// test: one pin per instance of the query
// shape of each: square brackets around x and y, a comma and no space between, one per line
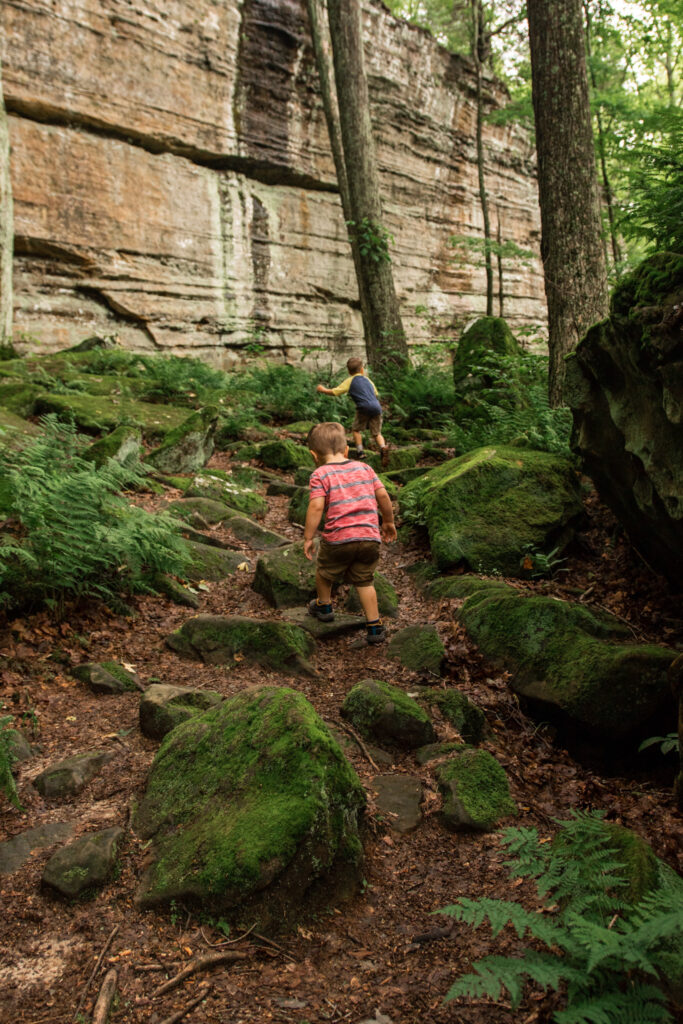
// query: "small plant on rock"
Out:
[604,952]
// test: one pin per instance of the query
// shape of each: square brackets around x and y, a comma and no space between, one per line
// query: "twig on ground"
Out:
[354,735]
[105,998]
[204,963]
[634,629]
[183,1012]
[269,942]
[144,968]
[227,942]
[95,969]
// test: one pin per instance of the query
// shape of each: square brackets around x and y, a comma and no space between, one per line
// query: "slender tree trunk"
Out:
[571,245]
[479,45]
[384,334]
[499,259]
[6,228]
[330,108]
[607,193]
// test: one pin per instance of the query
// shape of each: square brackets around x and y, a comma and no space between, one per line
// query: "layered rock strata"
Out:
[173,180]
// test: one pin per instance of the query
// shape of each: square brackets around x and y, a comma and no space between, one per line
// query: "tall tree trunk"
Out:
[499,258]
[479,48]
[330,108]
[607,193]
[571,245]
[6,228]
[384,334]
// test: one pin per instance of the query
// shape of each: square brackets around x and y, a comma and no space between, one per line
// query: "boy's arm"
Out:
[388,526]
[316,507]
[340,389]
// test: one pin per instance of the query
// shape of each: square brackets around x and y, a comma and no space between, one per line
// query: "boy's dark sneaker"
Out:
[322,612]
[384,455]
[360,455]
[375,633]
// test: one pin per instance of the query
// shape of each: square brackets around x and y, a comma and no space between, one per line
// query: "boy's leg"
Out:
[362,576]
[358,440]
[323,588]
[368,602]
[321,607]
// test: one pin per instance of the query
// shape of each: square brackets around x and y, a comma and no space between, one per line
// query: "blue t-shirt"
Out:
[362,391]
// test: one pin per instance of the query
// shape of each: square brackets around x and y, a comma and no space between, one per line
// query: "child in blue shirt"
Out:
[363,394]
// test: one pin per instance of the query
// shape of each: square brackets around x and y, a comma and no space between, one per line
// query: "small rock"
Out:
[385,713]
[17,850]
[475,791]
[189,447]
[106,678]
[285,577]
[285,455]
[387,598]
[320,630]
[212,563]
[68,777]
[84,864]
[418,648]
[225,639]
[163,707]
[399,798]
[18,746]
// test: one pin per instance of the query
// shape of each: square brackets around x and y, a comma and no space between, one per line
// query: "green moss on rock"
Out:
[211,563]
[122,445]
[219,486]
[387,597]
[418,648]
[475,791]
[218,639]
[253,810]
[467,718]
[385,714]
[464,586]
[485,508]
[163,707]
[285,455]
[190,446]
[565,658]
[96,414]
[285,577]
[489,334]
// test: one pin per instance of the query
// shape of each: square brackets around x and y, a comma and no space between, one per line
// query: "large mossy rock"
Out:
[97,414]
[225,639]
[387,597]
[253,812]
[570,662]
[163,707]
[624,384]
[385,714]
[211,563]
[418,648]
[480,349]
[475,791]
[285,577]
[122,445]
[484,509]
[467,718]
[189,447]
[219,486]
[285,455]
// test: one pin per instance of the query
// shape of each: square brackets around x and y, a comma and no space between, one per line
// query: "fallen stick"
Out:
[179,1014]
[205,963]
[227,942]
[105,998]
[269,942]
[95,970]
[354,735]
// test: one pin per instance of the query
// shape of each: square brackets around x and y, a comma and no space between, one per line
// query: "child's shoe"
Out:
[375,633]
[384,455]
[322,612]
[360,454]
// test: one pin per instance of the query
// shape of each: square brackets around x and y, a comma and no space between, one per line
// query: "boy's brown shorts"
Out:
[354,562]
[364,422]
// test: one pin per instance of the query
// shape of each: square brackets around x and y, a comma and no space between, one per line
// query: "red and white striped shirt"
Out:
[350,504]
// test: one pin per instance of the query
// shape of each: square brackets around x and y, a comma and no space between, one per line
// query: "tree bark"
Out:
[480,45]
[6,228]
[384,334]
[571,244]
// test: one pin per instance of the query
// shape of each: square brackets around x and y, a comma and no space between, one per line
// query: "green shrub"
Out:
[421,394]
[606,954]
[74,534]
[7,783]
[283,394]
[180,380]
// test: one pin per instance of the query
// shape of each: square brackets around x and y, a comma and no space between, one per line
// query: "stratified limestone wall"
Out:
[173,181]
[6,230]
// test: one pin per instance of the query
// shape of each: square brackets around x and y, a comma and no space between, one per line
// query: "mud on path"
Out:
[383,956]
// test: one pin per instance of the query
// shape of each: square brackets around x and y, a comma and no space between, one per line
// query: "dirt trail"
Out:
[382,955]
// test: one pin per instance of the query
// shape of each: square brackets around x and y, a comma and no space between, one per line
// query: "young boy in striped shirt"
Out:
[348,492]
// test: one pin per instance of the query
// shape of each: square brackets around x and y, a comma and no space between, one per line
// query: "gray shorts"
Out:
[367,421]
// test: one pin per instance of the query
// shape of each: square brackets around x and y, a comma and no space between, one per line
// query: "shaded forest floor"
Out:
[380,957]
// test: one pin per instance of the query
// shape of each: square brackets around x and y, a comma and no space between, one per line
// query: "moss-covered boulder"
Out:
[484,509]
[211,563]
[570,661]
[251,533]
[285,455]
[298,506]
[82,867]
[385,714]
[14,428]
[418,648]
[199,511]
[387,597]
[302,476]
[253,813]
[487,335]
[467,718]
[225,639]
[460,587]
[482,350]
[475,791]
[403,458]
[190,446]
[624,384]
[97,414]
[220,486]
[122,445]
[107,678]
[285,577]
[163,707]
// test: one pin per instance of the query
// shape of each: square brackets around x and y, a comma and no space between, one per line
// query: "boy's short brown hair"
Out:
[327,439]
[354,364]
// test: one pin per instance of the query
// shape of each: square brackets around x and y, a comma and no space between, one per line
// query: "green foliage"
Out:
[373,239]
[607,955]
[652,208]
[279,393]
[74,534]
[668,744]
[507,402]
[7,783]
[421,394]
[173,379]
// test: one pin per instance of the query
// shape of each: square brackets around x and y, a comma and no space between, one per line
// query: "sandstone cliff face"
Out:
[5,227]
[173,180]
